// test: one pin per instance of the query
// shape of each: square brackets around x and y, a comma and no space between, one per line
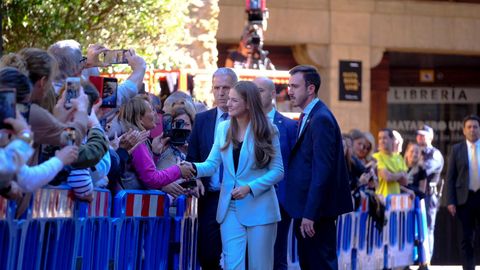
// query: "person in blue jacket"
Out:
[247,151]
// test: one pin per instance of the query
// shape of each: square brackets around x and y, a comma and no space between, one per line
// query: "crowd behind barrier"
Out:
[140,230]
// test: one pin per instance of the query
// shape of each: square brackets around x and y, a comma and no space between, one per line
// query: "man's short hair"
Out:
[226,71]
[310,75]
[68,54]
[388,131]
[471,117]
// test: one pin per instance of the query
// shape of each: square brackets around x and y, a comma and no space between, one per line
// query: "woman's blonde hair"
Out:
[132,111]
[16,61]
[39,63]
[261,126]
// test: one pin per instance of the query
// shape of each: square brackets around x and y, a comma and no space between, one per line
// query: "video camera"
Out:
[256,10]
[257,15]
[175,130]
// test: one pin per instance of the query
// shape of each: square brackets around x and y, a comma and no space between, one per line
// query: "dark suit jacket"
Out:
[317,179]
[288,132]
[201,139]
[457,175]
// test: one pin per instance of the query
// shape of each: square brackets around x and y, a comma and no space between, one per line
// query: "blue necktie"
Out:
[222,118]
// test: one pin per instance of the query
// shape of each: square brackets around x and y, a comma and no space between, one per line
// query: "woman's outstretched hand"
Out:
[187,170]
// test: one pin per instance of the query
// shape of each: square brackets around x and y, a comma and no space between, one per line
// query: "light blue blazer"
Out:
[261,205]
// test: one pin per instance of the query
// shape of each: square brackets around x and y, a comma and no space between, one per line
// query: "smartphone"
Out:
[8,99]
[113,57]
[72,91]
[189,184]
[70,135]
[109,92]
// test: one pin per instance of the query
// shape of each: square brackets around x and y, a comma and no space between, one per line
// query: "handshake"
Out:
[188,170]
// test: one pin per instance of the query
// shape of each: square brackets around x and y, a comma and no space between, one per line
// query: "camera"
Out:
[255,10]
[175,130]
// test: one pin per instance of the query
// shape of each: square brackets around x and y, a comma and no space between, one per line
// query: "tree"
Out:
[157,29]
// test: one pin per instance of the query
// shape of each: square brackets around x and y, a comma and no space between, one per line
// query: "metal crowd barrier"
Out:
[141,230]
[94,222]
[183,246]
[7,235]
[400,242]
[133,232]
[58,232]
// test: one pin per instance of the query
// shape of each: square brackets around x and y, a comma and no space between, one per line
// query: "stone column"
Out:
[203,27]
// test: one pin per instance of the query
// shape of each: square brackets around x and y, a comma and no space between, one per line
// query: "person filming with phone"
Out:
[71,63]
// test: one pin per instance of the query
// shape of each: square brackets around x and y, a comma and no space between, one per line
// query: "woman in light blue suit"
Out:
[248,148]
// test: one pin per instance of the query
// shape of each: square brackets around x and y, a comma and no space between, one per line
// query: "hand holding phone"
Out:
[93,52]
[69,136]
[72,91]
[189,184]
[7,106]
[18,124]
[114,57]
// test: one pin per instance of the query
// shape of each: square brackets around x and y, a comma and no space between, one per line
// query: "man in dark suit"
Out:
[464,186]
[287,128]
[317,179]
[209,246]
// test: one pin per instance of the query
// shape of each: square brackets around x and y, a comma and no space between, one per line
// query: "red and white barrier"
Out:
[145,205]
[100,206]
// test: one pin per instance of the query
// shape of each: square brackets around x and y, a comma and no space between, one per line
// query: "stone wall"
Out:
[323,32]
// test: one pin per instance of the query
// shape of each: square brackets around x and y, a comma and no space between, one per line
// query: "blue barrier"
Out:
[183,246]
[141,227]
[59,232]
[47,239]
[400,242]
[7,236]
[94,222]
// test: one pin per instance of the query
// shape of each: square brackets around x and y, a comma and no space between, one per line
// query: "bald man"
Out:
[288,130]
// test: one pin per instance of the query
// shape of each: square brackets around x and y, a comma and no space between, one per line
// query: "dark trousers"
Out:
[469,215]
[320,251]
[281,243]
[209,246]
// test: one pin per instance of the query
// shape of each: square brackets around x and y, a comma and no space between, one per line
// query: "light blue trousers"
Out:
[235,236]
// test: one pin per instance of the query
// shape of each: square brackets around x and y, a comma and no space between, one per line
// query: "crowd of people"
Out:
[253,169]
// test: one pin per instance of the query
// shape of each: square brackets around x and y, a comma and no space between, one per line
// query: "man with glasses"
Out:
[209,246]
[71,63]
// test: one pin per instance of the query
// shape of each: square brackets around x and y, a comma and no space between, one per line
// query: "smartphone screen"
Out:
[72,91]
[113,57]
[69,135]
[7,106]
[109,92]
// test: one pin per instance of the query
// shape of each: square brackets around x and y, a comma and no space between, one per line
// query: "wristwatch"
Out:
[26,136]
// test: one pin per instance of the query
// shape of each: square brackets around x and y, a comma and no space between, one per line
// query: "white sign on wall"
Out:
[433,95]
